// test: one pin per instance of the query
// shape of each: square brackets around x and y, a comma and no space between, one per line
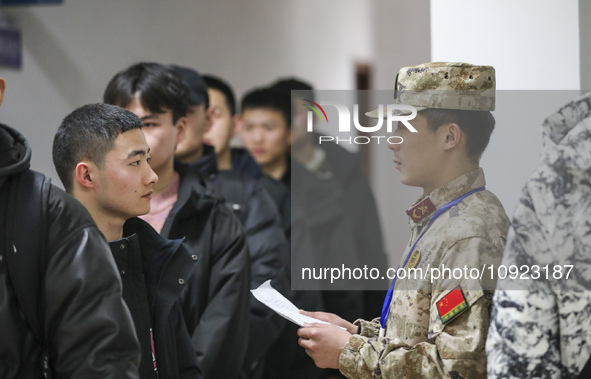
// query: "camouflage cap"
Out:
[445,85]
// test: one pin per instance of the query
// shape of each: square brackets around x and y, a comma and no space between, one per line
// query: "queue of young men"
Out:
[253,206]
[192,227]
[216,300]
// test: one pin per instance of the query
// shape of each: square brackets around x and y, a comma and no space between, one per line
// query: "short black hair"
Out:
[220,85]
[293,84]
[195,84]
[89,132]
[305,90]
[159,86]
[476,125]
[268,98]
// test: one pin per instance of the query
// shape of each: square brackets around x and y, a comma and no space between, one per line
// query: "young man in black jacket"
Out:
[267,244]
[101,156]
[83,328]
[216,309]
[266,134]
[225,125]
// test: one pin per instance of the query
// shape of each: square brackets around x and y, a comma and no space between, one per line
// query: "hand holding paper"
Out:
[269,296]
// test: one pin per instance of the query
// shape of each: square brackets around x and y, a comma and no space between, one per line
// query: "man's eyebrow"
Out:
[137,152]
[148,116]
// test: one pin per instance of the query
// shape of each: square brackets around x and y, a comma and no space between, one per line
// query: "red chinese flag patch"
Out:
[452,304]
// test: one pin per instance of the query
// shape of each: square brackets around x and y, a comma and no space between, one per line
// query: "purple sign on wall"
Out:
[10,48]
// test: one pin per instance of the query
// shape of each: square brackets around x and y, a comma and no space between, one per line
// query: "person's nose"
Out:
[394,141]
[257,135]
[151,177]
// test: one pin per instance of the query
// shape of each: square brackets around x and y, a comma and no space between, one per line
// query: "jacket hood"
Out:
[566,136]
[15,152]
[194,193]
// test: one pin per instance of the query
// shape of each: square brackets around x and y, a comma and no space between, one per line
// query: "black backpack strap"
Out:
[27,225]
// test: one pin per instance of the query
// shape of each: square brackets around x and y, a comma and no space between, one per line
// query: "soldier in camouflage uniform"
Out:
[435,326]
[542,327]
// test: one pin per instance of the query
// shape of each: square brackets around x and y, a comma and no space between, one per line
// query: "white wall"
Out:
[533,45]
[585,43]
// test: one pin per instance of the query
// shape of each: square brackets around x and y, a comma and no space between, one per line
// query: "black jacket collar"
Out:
[194,196]
[242,161]
[207,165]
[163,258]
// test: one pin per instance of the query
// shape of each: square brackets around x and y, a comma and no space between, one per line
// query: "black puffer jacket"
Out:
[267,244]
[87,326]
[216,308]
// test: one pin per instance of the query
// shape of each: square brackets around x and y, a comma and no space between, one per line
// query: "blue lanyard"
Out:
[388,300]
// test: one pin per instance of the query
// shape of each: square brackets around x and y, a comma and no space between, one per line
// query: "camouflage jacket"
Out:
[542,327]
[420,342]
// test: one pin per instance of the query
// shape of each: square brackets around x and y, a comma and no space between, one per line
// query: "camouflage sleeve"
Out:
[524,334]
[458,350]
[368,328]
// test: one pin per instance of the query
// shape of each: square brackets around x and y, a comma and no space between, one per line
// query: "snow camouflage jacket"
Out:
[542,327]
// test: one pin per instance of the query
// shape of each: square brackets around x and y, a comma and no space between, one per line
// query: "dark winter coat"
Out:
[216,307]
[86,325]
[243,162]
[154,272]
[267,245]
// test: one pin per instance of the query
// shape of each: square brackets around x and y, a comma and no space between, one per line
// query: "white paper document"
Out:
[269,296]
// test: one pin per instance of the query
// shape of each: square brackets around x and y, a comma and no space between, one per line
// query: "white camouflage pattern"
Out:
[542,328]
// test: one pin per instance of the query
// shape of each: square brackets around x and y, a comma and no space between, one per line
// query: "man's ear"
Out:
[239,123]
[84,174]
[236,125]
[2,88]
[181,129]
[452,135]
